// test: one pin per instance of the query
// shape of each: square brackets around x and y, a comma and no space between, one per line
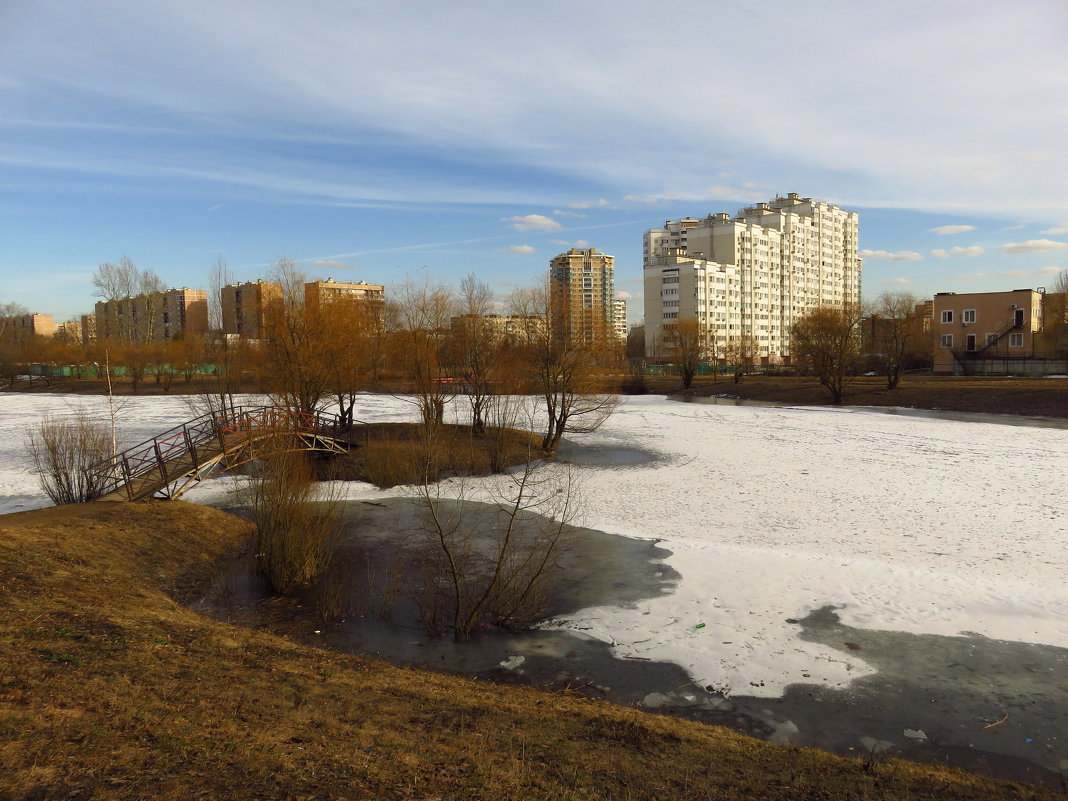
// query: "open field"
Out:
[110,688]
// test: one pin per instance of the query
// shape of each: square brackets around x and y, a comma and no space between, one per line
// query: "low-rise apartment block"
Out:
[23,326]
[318,293]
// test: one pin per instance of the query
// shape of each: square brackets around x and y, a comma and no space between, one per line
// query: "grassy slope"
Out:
[109,688]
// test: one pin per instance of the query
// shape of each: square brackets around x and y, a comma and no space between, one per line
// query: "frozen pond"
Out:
[796,531]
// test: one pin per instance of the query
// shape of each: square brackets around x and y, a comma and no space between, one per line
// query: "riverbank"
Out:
[113,688]
[1031,397]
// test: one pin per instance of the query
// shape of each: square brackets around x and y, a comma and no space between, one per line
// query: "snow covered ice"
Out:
[904,524]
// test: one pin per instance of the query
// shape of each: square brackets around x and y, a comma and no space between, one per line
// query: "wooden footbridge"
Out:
[167,465]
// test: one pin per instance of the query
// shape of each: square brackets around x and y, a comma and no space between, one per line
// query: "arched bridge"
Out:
[169,464]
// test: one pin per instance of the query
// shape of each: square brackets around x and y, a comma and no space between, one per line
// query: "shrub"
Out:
[63,449]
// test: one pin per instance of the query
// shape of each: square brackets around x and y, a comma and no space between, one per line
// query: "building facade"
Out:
[244,307]
[989,326]
[619,318]
[20,327]
[500,326]
[318,293]
[751,276]
[154,316]
[582,288]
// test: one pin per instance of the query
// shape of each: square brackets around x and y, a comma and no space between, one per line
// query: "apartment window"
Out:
[991,339]
[1015,340]
[947,340]
[969,342]
[947,316]
[967,316]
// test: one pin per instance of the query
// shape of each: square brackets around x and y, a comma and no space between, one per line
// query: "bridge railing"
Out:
[226,429]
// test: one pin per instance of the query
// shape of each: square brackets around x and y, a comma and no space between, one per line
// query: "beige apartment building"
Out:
[318,293]
[154,316]
[752,275]
[997,331]
[244,307]
[582,288]
[23,326]
[88,324]
[500,326]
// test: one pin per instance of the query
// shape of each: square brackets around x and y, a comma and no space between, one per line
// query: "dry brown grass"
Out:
[391,454]
[110,688]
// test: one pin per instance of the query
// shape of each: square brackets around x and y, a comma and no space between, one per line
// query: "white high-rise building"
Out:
[751,276]
[619,318]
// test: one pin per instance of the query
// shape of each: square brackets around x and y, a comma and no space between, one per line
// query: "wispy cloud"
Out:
[941,253]
[900,255]
[1057,229]
[563,213]
[533,222]
[1041,271]
[523,250]
[1031,246]
[337,265]
[943,230]
[600,203]
[895,282]
[578,243]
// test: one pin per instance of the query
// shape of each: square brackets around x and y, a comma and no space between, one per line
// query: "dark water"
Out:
[899,411]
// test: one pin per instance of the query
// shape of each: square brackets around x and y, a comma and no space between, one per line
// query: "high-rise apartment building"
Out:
[751,276]
[619,318]
[154,316]
[244,307]
[582,286]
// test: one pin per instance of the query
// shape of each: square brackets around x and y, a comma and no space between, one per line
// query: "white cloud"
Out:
[533,222]
[1009,274]
[337,265]
[900,255]
[562,213]
[624,296]
[1057,229]
[896,282]
[974,250]
[942,230]
[578,243]
[589,204]
[1032,246]
[522,249]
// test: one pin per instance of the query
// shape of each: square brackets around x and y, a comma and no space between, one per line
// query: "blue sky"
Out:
[381,141]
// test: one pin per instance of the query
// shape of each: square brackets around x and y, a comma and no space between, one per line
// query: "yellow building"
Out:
[317,293]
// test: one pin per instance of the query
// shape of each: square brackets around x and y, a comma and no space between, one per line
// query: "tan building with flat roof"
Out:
[155,316]
[23,326]
[317,293]
[244,307]
[977,326]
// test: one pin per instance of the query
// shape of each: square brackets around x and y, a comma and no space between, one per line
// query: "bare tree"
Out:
[567,368]
[741,352]
[687,342]
[897,334]
[63,449]
[496,569]
[9,311]
[122,280]
[473,347]
[425,312]
[827,339]
[296,345]
[219,276]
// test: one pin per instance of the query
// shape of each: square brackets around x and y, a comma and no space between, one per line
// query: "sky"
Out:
[383,142]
